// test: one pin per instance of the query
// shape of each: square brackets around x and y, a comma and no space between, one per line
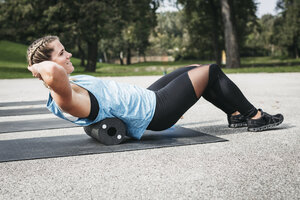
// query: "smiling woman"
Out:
[49,48]
[156,108]
[49,61]
[61,56]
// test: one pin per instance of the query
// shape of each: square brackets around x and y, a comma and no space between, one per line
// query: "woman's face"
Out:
[61,56]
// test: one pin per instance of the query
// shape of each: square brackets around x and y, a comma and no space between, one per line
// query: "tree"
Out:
[203,19]
[79,23]
[259,42]
[231,43]
[96,21]
[287,27]
[23,20]
[170,36]
[137,19]
[142,20]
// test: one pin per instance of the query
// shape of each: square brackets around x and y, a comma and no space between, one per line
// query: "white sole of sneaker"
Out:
[266,127]
[239,125]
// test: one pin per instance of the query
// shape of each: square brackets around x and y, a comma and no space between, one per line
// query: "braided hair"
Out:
[39,50]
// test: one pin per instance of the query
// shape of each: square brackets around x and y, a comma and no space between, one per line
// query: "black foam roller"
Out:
[110,131]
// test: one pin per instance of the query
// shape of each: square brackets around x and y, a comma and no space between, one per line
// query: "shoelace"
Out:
[268,118]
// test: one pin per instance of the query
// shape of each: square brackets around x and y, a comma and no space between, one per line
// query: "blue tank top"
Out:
[134,105]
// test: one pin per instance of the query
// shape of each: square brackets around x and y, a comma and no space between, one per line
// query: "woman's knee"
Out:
[215,74]
[214,68]
[200,71]
[199,78]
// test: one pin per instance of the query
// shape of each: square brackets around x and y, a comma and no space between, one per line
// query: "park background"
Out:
[263,165]
[152,37]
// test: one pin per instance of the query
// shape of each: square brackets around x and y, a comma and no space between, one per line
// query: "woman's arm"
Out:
[71,99]
[57,79]
[51,73]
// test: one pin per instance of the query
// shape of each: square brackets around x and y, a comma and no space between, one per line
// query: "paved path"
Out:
[264,165]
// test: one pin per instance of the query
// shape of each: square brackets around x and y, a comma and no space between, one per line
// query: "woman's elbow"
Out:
[53,74]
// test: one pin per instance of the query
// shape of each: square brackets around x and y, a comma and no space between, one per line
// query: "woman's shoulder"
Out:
[82,76]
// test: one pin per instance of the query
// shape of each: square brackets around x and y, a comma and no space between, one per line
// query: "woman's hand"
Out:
[35,70]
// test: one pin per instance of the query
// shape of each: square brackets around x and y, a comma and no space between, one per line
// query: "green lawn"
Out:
[13,64]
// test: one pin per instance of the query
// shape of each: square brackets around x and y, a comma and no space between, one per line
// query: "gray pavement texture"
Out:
[263,165]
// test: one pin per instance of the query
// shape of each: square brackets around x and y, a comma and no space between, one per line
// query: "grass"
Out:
[269,61]
[13,64]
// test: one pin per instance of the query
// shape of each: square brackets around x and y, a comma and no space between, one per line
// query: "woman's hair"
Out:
[39,50]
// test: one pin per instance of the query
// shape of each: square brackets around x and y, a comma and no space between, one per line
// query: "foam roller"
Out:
[110,131]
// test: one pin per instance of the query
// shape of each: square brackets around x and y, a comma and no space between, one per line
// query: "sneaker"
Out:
[266,121]
[236,121]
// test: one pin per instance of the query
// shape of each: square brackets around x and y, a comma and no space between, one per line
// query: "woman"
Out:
[156,108]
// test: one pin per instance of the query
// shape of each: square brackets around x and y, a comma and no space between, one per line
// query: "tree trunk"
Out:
[121,58]
[92,56]
[215,33]
[128,60]
[138,55]
[231,44]
[105,57]
[81,53]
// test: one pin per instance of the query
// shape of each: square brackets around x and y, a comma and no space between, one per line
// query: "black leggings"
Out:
[175,95]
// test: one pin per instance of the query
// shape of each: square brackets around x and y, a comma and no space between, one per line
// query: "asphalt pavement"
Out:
[262,165]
